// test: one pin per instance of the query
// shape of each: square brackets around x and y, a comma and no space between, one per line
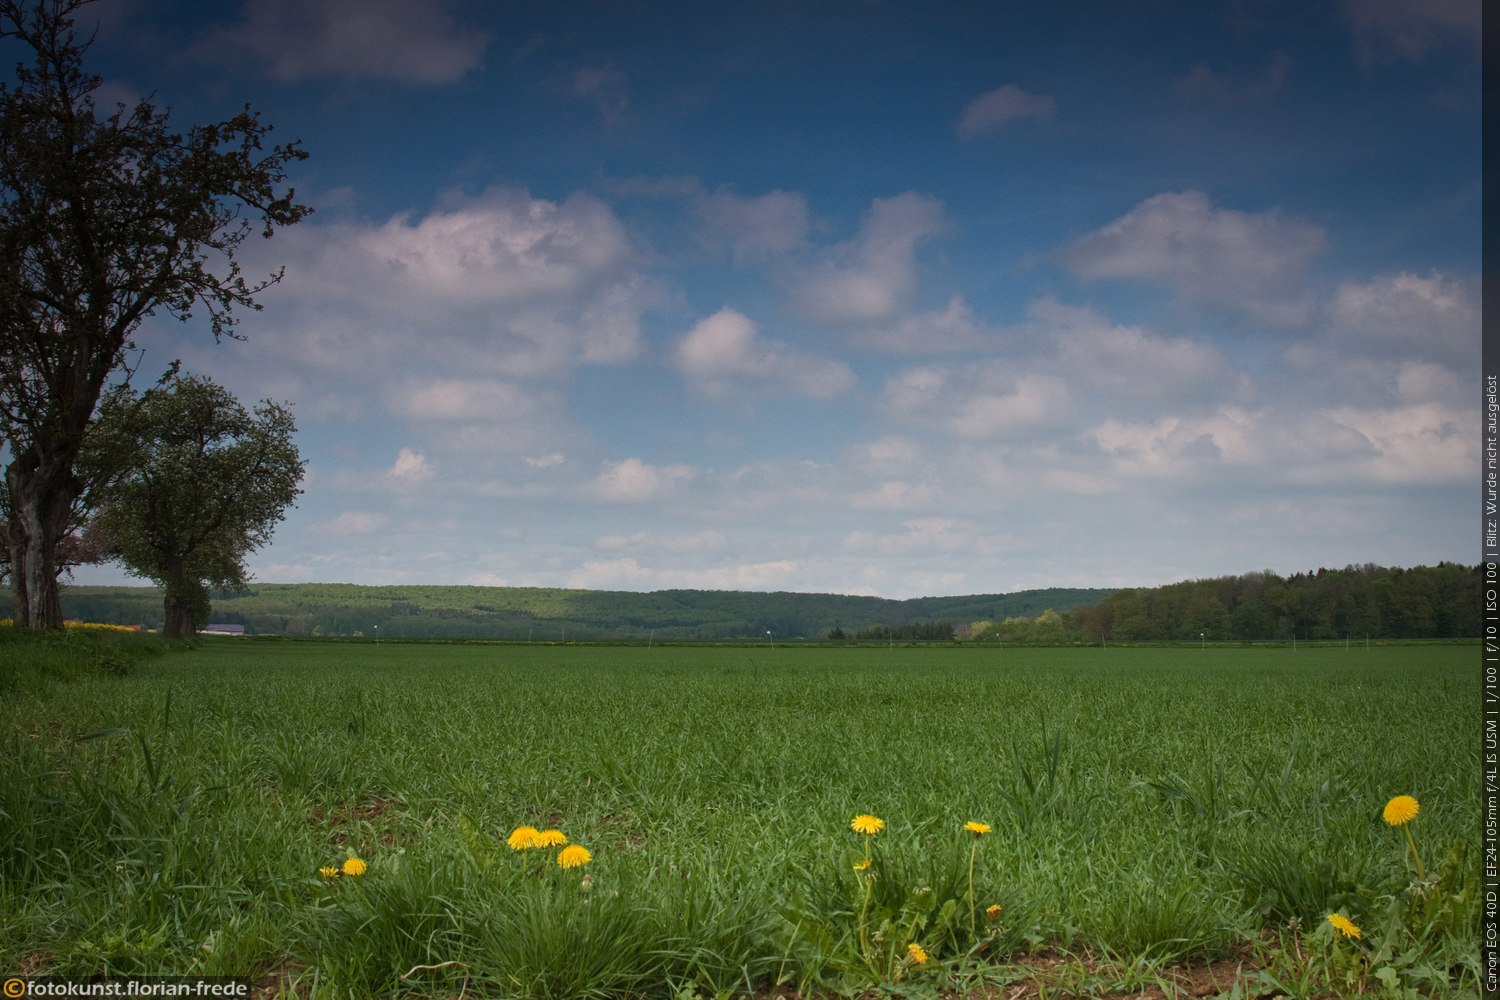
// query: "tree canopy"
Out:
[205,484]
[106,217]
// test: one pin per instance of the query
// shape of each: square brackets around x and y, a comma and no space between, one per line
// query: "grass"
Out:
[169,814]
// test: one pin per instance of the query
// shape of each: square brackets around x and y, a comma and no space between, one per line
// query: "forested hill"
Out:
[1425,602]
[451,612]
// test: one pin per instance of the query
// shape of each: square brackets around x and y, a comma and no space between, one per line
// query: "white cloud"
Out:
[699,541]
[1426,443]
[725,352]
[410,41]
[634,481]
[1127,360]
[1250,261]
[628,573]
[1434,317]
[992,111]
[923,534]
[867,279]
[411,468]
[752,229]
[487,400]
[358,522]
[1418,382]
[1179,447]
[945,331]
[501,248]
[499,283]
[982,400]
[898,494]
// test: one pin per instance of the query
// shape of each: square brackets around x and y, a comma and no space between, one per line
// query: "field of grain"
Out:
[1146,808]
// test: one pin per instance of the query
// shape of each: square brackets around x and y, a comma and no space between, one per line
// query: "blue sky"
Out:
[859,297]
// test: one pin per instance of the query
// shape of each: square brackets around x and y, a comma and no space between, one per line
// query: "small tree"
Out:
[205,484]
[104,219]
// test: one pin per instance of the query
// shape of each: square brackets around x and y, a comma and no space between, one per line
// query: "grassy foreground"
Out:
[170,814]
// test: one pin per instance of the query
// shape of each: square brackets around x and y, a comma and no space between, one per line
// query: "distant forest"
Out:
[1357,602]
[547,614]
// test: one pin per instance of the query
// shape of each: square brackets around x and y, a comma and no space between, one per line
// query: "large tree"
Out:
[205,483]
[106,216]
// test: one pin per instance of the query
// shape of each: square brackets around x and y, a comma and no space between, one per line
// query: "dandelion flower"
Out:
[354,866]
[1400,810]
[860,866]
[522,837]
[329,871]
[866,824]
[976,828]
[574,856]
[992,912]
[550,838]
[1344,925]
[916,954]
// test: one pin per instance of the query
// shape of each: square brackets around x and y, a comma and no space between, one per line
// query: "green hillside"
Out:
[543,613]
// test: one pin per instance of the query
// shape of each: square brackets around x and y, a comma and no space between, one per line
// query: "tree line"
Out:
[1357,602]
[552,614]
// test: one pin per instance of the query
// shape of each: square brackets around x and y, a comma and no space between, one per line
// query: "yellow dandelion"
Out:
[916,954]
[574,856]
[860,866]
[329,871]
[522,837]
[992,912]
[976,828]
[550,838]
[354,866]
[1400,810]
[1344,925]
[866,824]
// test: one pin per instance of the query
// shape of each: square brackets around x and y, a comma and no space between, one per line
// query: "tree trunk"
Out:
[185,602]
[41,501]
[179,620]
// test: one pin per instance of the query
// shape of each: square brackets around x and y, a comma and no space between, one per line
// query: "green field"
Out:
[1149,807]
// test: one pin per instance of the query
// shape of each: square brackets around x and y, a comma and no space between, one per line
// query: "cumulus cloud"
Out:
[992,111]
[1433,317]
[725,352]
[410,41]
[461,399]
[1254,262]
[982,400]
[867,279]
[1130,362]
[497,283]
[634,481]
[411,468]
[1425,443]
[1177,447]
[503,247]
[943,331]
[752,229]
[1415,443]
